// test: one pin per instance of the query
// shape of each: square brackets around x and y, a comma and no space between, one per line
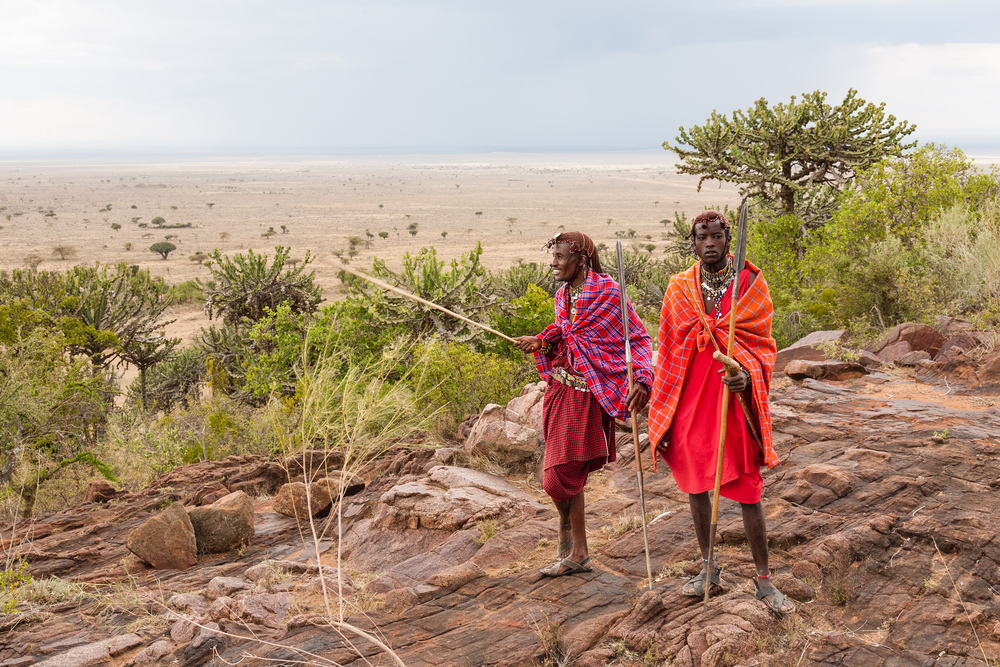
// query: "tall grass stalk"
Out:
[361,409]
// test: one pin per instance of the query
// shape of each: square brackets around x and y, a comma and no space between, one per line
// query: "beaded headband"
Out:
[709,216]
[574,246]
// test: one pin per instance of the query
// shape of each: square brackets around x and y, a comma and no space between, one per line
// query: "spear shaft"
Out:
[739,259]
[635,418]
[392,288]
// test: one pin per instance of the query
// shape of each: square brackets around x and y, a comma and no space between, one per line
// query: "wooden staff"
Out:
[739,259]
[408,295]
[635,418]
[732,368]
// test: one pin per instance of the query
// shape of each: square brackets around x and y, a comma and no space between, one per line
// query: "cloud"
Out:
[943,88]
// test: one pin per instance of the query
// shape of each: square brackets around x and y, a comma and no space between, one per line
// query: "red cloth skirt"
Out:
[579,438]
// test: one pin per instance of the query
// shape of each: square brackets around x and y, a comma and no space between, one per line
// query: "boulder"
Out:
[451,499]
[313,464]
[891,353]
[952,326]
[807,349]
[497,436]
[917,336]
[961,341]
[292,500]
[166,541]
[225,524]
[526,409]
[225,587]
[831,369]
[99,491]
[913,358]
[352,484]
[465,428]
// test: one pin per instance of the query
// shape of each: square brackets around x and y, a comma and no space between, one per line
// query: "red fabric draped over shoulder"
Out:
[681,334]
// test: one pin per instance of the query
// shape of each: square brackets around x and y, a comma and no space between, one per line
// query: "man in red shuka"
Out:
[687,397]
[582,357]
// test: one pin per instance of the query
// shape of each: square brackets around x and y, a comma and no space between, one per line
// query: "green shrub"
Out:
[460,380]
[530,314]
[514,282]
[186,292]
[170,383]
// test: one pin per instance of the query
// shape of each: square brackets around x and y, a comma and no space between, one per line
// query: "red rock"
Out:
[891,353]
[166,541]
[807,349]
[919,337]
[225,587]
[961,341]
[951,326]
[313,464]
[292,500]
[207,494]
[496,436]
[353,484]
[225,524]
[913,358]
[457,576]
[831,369]
[99,491]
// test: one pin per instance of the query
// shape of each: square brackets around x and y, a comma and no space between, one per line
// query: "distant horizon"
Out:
[973,146]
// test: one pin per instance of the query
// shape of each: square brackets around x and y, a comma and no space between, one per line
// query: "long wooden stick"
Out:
[635,418]
[730,371]
[739,258]
[392,288]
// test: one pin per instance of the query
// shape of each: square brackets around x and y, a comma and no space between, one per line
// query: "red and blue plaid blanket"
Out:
[595,344]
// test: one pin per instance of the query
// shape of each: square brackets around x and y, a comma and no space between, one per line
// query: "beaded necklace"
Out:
[574,294]
[715,284]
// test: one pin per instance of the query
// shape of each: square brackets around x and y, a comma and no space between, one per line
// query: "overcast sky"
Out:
[372,75]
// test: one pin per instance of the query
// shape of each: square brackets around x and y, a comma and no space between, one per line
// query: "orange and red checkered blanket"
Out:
[681,332]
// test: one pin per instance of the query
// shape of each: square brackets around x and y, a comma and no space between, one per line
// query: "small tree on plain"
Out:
[163,248]
[64,251]
[383,235]
[158,220]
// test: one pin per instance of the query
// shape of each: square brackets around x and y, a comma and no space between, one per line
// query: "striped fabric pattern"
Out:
[595,344]
[681,333]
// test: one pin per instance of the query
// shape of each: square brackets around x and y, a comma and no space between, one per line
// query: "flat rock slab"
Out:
[485,622]
[91,655]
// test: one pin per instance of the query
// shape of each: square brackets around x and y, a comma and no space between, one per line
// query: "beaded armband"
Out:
[547,347]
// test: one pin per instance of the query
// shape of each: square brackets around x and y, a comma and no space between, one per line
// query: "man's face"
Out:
[710,241]
[565,264]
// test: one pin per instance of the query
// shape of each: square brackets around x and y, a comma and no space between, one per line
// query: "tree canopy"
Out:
[792,157]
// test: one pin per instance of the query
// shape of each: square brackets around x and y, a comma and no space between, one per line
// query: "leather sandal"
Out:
[565,546]
[698,583]
[777,599]
[571,568]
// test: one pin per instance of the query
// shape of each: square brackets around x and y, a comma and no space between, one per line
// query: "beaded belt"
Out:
[563,376]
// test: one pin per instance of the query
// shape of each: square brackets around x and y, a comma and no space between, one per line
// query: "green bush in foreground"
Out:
[460,380]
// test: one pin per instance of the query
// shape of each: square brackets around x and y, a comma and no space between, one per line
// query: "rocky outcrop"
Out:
[296,499]
[908,337]
[830,369]
[166,541]
[808,348]
[880,522]
[451,499]
[99,491]
[225,524]
[499,435]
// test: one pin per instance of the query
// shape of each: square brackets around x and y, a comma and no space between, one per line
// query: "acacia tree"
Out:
[792,157]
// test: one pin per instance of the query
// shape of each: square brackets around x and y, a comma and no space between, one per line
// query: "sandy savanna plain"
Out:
[510,202]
